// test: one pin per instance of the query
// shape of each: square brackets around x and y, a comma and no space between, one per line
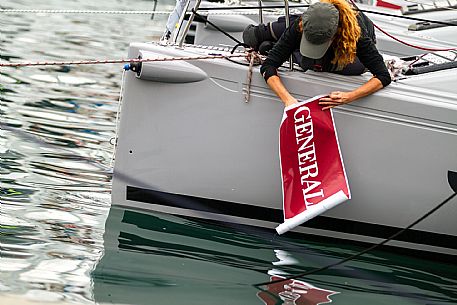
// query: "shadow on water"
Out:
[158,258]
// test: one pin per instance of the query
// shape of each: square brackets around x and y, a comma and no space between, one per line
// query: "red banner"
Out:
[312,170]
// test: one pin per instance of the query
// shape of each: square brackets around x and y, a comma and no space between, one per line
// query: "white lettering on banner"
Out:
[306,154]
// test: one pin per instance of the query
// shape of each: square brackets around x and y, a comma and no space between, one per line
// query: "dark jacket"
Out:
[289,42]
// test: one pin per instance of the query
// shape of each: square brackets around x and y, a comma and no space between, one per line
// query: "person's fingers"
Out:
[335,95]
[331,102]
[328,103]
[326,108]
[325,99]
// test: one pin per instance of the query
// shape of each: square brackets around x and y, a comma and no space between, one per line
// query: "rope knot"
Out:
[253,55]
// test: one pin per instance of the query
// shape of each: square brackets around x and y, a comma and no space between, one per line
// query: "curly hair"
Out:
[347,35]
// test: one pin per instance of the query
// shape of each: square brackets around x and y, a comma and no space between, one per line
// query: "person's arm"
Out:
[369,56]
[338,98]
[275,83]
[289,41]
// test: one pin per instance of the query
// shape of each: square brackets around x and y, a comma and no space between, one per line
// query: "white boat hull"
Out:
[197,149]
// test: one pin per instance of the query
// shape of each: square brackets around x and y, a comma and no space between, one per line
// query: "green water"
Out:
[55,182]
[179,260]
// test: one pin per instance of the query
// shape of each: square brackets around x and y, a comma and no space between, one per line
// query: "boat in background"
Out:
[188,144]
[385,14]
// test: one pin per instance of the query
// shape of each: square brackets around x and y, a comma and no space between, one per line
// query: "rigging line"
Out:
[208,12]
[302,6]
[148,12]
[363,251]
[430,7]
[117,61]
[155,7]
[17,11]
[219,29]
[410,44]
[264,7]
[406,17]
[402,41]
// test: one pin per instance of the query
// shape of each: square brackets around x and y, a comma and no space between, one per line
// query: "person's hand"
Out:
[290,101]
[335,98]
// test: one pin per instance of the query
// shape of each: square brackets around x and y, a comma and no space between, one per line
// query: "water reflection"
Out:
[200,262]
[291,291]
[294,292]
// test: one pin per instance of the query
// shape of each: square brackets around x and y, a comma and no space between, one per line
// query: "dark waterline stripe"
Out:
[274,215]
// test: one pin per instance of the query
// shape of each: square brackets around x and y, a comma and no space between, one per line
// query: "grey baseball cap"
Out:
[320,22]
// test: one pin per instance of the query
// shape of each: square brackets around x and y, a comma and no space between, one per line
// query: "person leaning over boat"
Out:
[331,37]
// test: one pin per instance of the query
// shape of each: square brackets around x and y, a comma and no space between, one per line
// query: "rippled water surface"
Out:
[55,151]
[55,180]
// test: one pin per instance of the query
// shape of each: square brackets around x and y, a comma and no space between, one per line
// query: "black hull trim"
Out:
[274,215]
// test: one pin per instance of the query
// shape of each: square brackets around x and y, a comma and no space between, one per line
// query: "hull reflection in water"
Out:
[154,258]
[294,292]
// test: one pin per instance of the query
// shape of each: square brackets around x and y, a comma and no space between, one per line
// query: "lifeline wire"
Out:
[363,251]
[13,11]
[17,11]
[212,11]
